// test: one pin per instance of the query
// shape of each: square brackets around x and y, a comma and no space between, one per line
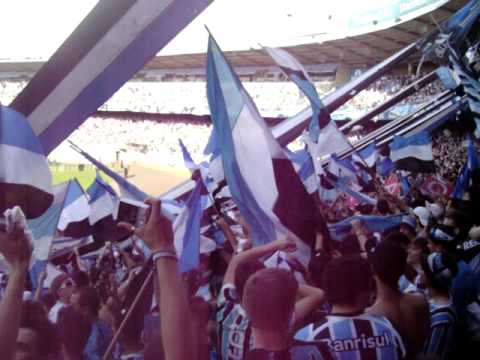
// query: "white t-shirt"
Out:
[53,313]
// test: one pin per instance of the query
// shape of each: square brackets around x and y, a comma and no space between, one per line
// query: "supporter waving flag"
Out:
[323,131]
[463,181]
[186,228]
[413,153]
[102,200]
[25,179]
[261,178]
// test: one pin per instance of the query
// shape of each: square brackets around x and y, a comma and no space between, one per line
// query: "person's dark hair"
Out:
[345,278]
[398,238]
[243,271]
[80,279]
[88,298]
[382,207]
[34,317]
[74,330]
[388,262]
[269,299]
[56,283]
[48,300]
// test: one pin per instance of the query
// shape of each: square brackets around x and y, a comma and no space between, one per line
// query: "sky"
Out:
[34,29]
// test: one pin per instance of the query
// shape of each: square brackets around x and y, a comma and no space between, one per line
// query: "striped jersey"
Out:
[234,330]
[441,340]
[356,336]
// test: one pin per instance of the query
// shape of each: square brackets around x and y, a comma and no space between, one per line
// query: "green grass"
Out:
[63,173]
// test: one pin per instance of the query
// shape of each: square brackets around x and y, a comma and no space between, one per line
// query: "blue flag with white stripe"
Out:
[186,228]
[102,200]
[127,189]
[369,155]
[372,223]
[470,85]
[24,172]
[261,178]
[292,68]
[76,208]
[413,153]
[43,228]
[463,180]
[303,163]
[187,158]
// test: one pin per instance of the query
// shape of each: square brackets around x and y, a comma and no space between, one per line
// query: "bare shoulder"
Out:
[416,301]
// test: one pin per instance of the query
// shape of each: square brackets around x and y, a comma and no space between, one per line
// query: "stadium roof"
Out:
[362,50]
[366,49]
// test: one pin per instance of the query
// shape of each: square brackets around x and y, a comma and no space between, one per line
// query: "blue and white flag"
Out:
[460,23]
[413,153]
[463,180]
[385,166]
[342,168]
[470,85]
[24,173]
[261,178]
[369,155]
[372,223]
[127,189]
[187,158]
[43,228]
[303,164]
[102,199]
[323,132]
[76,209]
[186,228]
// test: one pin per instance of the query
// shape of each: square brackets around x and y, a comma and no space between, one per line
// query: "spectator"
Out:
[348,286]
[62,289]
[388,262]
[269,299]
[439,271]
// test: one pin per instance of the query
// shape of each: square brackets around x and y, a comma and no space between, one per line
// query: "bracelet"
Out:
[162,254]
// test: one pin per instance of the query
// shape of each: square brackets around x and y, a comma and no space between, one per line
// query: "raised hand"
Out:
[16,248]
[157,231]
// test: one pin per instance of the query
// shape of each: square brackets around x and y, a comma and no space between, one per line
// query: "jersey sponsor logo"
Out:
[360,343]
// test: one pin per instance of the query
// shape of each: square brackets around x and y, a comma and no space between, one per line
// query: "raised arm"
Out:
[255,253]
[17,250]
[177,332]
[310,298]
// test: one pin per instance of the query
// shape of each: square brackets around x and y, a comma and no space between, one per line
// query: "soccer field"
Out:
[153,181]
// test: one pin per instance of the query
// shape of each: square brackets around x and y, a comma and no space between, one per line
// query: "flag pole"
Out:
[109,350]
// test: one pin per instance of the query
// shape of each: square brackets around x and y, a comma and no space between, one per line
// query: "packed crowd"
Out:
[406,290]
[273,99]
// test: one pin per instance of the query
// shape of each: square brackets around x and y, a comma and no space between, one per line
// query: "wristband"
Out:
[164,254]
